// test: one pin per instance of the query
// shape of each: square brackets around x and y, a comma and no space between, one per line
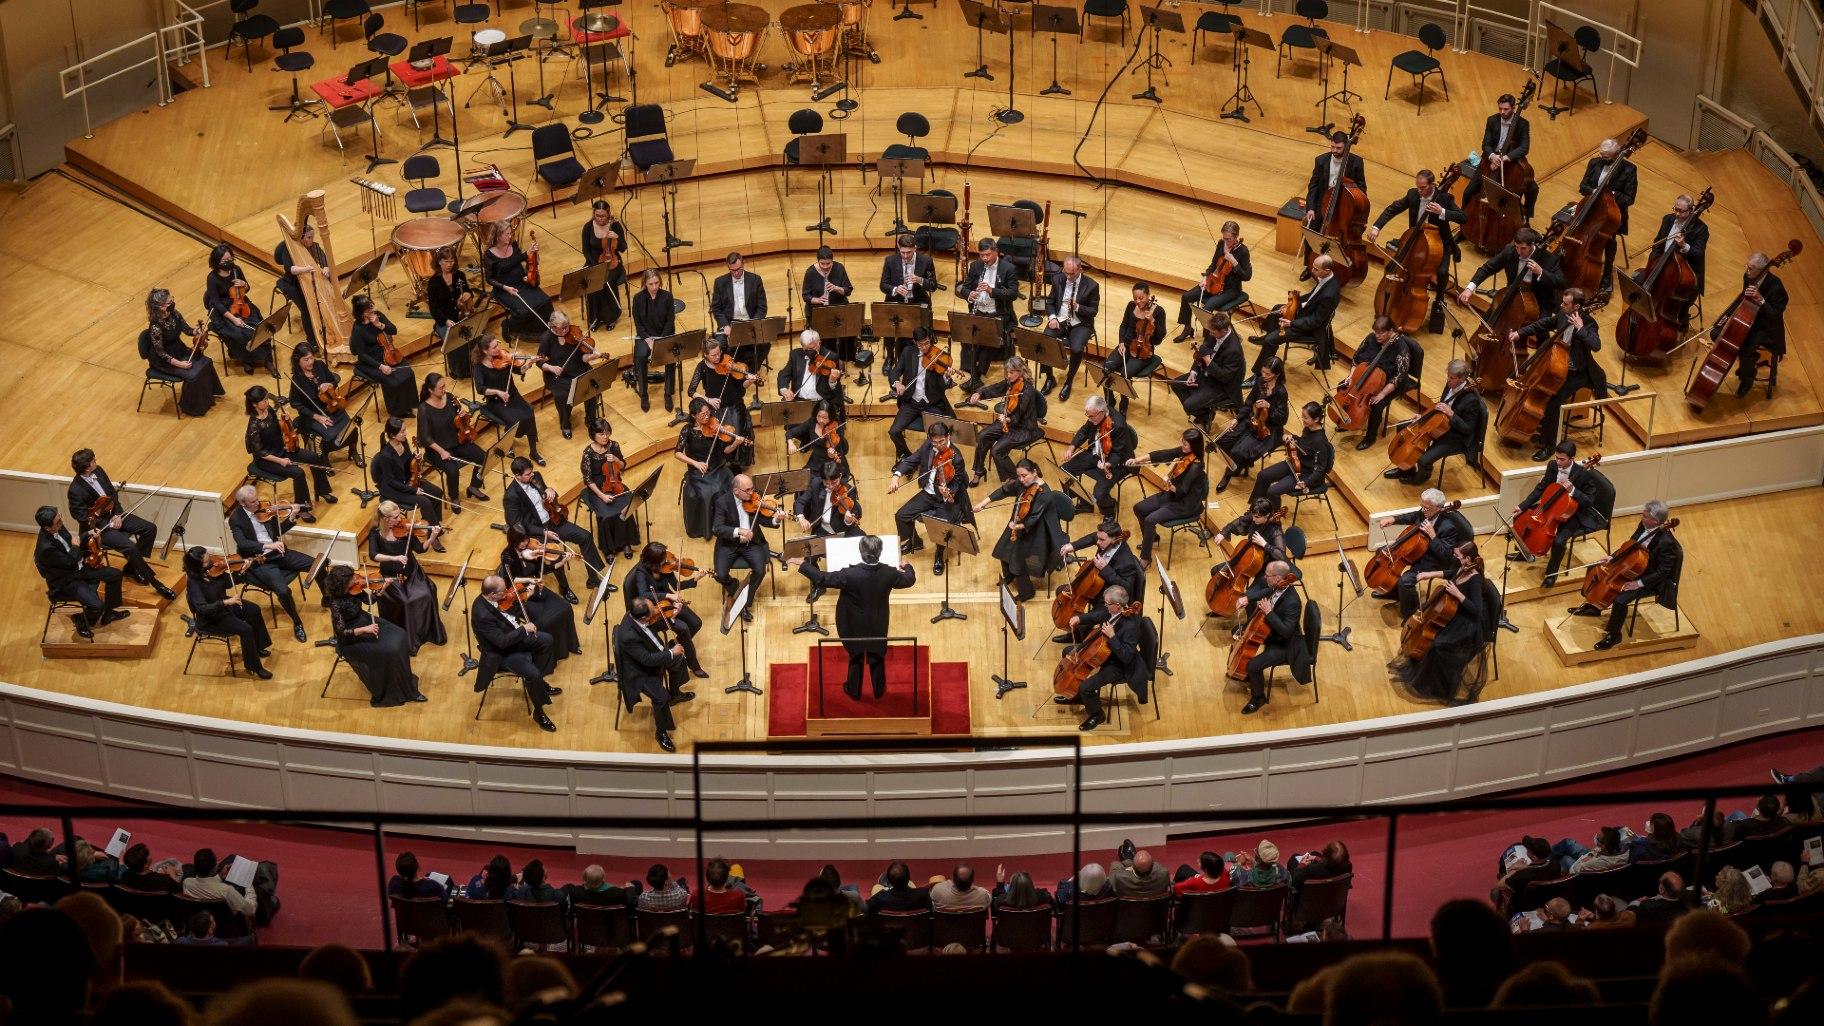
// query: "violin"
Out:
[543,551]
[1084,661]
[1593,226]
[216,565]
[268,511]
[832,441]
[504,359]
[1514,308]
[330,400]
[1670,284]
[1229,582]
[465,302]
[935,359]
[1015,389]
[1141,348]
[532,262]
[237,300]
[411,529]
[826,366]
[1225,266]
[842,499]
[512,595]
[573,335]
[1404,291]
[1258,422]
[721,432]
[756,505]
[1730,332]
[1182,464]
[611,254]
[1342,217]
[466,428]
[288,433]
[1535,527]
[1075,598]
[1491,221]
[609,478]
[101,509]
[675,564]
[1603,582]
[726,366]
[1391,560]
[554,511]
[368,582]
[1022,508]
[1421,628]
[417,468]
[943,473]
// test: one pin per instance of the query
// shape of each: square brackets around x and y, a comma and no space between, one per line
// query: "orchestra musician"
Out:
[396,382]
[1142,310]
[800,379]
[707,459]
[918,389]
[378,649]
[725,394]
[1524,260]
[989,287]
[817,512]
[1231,295]
[510,641]
[234,330]
[444,296]
[613,532]
[928,466]
[1665,560]
[1399,356]
[1242,440]
[1258,525]
[265,441]
[1623,183]
[1769,330]
[1316,308]
[1468,420]
[603,234]
[219,611]
[1285,643]
[648,580]
[1315,458]
[1185,498]
[1445,529]
[815,436]
[263,535]
[505,267]
[741,538]
[1581,334]
[309,376]
[650,667]
[521,563]
[1584,484]
[1446,674]
[563,360]
[654,317]
[501,401]
[1506,136]
[1119,568]
[292,270]
[532,508]
[1070,307]
[410,601]
[437,433]
[1217,369]
[169,346]
[826,283]
[1684,230]
[1328,170]
[123,532]
[59,560]
[1425,201]
[739,296]
[863,610]
[393,475]
[1126,663]
[1034,534]
[1099,451]
[1017,426]
[908,276]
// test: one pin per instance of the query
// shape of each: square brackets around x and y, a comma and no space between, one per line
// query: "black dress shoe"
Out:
[1090,724]
[699,672]
[306,518]
[297,631]
[1608,641]
[1394,474]
[1049,385]
[265,653]
[1066,700]
[570,597]
[1060,639]
[1585,610]
[565,429]
[747,613]
[1064,396]
[262,673]
[937,568]
[544,722]
[816,593]
[684,696]
[329,498]
[163,592]
[83,630]
[1223,485]
[975,481]
[1254,705]
[419,697]
[115,616]
[1742,388]
[540,460]
[853,693]
[1550,580]
[553,690]
[665,742]
[475,493]
[1183,336]
[1364,445]
[1541,454]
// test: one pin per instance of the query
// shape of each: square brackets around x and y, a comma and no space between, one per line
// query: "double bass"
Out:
[1535,528]
[1404,293]
[1440,608]
[1730,332]
[1602,583]
[1342,217]
[1230,581]
[1514,308]
[1075,598]
[1392,559]
[1086,660]
[1593,226]
[1492,220]
[1669,285]
[1543,374]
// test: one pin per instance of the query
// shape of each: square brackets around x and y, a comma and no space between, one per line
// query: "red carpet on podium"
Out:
[790,698]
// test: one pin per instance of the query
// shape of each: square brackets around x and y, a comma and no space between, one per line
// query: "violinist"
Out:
[739,521]
[1468,420]
[1445,674]
[533,508]
[410,601]
[1769,330]
[823,437]
[1188,489]
[275,453]
[863,610]
[829,507]
[1580,334]
[602,466]
[505,267]
[217,605]
[1586,485]
[1256,430]
[1071,304]
[378,649]
[1017,426]
[908,276]
[1142,313]
[989,286]
[1228,247]
[332,429]
[1623,183]
[234,329]
[654,317]
[1258,524]
[706,455]
[1285,642]
[717,381]
[1425,203]
[393,477]
[1125,662]
[396,382]
[444,295]
[1684,231]
[1217,369]
[170,347]
[651,667]
[1099,451]
[525,562]
[657,577]
[937,468]
[1034,534]
[603,234]
[259,529]
[1315,458]
[123,532]
[1444,528]
[919,387]
[510,641]
[292,270]
[1506,136]
[59,560]
[494,373]
[1328,171]
[1316,308]
[739,296]
[562,359]
[1118,568]
[811,372]
[1659,581]
[1398,356]
[1526,261]
[826,283]
[437,439]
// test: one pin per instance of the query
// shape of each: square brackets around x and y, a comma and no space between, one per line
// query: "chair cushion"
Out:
[1414,62]
[1212,21]
[1558,69]
[791,152]
[648,152]
[420,201]
[900,151]
[619,31]
[471,14]
[345,8]
[295,62]
[161,377]
[257,27]
[1299,37]
[1104,8]
[391,44]
[943,240]
[561,172]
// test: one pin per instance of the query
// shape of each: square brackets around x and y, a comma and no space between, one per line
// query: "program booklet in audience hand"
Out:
[1814,851]
[117,845]
[440,879]
[240,872]
[1757,879]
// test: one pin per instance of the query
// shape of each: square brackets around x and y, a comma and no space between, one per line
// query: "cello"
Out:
[1350,404]
[1593,226]
[1491,222]
[1253,637]
[1440,608]
[1086,660]
[1603,581]
[1230,581]
[1514,308]
[1404,293]
[1534,528]
[1342,217]
[1411,440]
[1669,285]
[1075,598]
[1730,332]
[1392,559]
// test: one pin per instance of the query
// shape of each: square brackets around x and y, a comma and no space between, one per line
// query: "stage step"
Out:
[1575,637]
[131,638]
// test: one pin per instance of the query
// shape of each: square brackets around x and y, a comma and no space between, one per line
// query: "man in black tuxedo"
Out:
[1523,260]
[1587,487]
[525,502]
[58,558]
[863,610]
[908,276]
[918,391]
[121,531]
[1468,421]
[1506,136]
[1659,582]
[1102,461]
[1446,529]
[266,538]
[1285,644]
[1683,230]
[1316,307]
[740,536]
[738,296]
[1126,662]
[1325,172]
[826,283]
[796,380]
[1120,569]
[650,666]
[1217,369]
[1070,308]
[1580,333]
[1769,329]
[1623,182]
[949,503]
[1435,206]
[510,641]
[989,287]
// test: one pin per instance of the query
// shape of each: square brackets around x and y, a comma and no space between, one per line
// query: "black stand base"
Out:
[947,613]
[980,72]
[1149,93]
[715,90]
[468,663]
[366,495]
[592,117]
[1002,685]
[1054,89]
[1009,116]
[1341,637]
[744,684]
[812,626]
[906,14]
[608,676]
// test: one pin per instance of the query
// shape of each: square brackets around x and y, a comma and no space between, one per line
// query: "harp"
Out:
[327,311]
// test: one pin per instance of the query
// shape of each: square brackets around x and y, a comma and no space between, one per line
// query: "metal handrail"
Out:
[1768,152]
[1618,39]
[187,22]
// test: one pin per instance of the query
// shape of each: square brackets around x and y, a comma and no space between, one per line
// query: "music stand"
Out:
[639,497]
[1011,222]
[897,320]
[590,384]
[1040,348]
[1168,594]
[807,548]
[363,277]
[755,336]
[928,209]
[1057,21]
[842,321]
[1345,571]
[267,330]
[176,533]
[466,333]
[502,450]
[1113,381]
[986,19]
[583,282]
[823,151]
[962,432]
[1159,20]
[1329,50]
[980,330]
[1566,51]
[667,174]
[597,182]
[430,50]
[1013,618]
[954,539]
[669,353]
[1243,95]
[365,70]
[899,169]
[468,632]
[1314,241]
[731,610]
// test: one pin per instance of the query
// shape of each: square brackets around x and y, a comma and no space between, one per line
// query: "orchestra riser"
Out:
[1524,581]
[1655,631]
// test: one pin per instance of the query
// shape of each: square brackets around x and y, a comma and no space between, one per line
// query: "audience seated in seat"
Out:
[1732,894]
[208,883]
[1707,933]
[142,1003]
[1332,862]
[1554,915]
[1091,881]
[139,872]
[1139,877]
[1782,883]
[1692,836]
[1383,989]
[1211,874]
[1473,950]
[33,856]
[1546,983]
[721,894]
[1608,912]
[199,929]
[1215,962]
[532,885]
[406,883]
[1666,904]
[896,893]
[1259,868]
[338,965]
[535,978]
[447,969]
[960,891]
[1658,843]
[1611,851]
[596,890]
[1766,819]
[1018,893]
[1704,991]
[664,892]
[493,882]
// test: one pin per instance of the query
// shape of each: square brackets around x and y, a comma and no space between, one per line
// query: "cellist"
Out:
[1584,339]
[1398,355]
[1446,529]
[1659,581]
[1769,329]
[1685,231]
[1468,419]
[1583,484]
[1623,183]
[1118,568]
[1524,260]
[1425,203]
[1124,658]
[1442,674]
[1316,308]
[1315,458]
[1285,642]
[1030,541]
[1258,524]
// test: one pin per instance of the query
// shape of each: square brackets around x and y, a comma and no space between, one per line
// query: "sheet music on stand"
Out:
[842,552]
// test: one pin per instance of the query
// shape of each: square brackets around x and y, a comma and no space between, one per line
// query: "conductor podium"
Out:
[923,698]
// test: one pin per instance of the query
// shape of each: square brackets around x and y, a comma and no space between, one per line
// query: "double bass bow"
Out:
[1342,217]
[1404,294]
[1728,335]
[1668,285]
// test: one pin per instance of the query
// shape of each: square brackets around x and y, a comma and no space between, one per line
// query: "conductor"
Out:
[862,612]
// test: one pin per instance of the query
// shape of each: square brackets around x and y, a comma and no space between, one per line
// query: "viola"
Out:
[1084,661]
[943,470]
[368,582]
[1342,217]
[1670,284]
[1537,526]
[1391,560]
[756,505]
[1258,422]
[466,427]
[1421,628]
[1491,221]
[1230,581]
[1182,464]
[532,262]
[1141,348]
[842,499]
[1603,582]
[1404,291]
[1075,598]
[610,254]
[92,554]
[1225,266]
[101,509]
[543,551]
[825,366]
[288,433]
[675,564]
[721,432]
[1015,389]
[237,300]
[1730,332]
[1514,308]
[512,595]
[1410,441]
[268,511]
[465,302]
[609,478]
[330,400]
[1349,405]
[389,353]
[554,510]
[1022,508]
[1598,218]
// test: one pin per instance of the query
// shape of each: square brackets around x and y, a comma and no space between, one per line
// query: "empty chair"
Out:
[1302,37]
[554,156]
[1319,900]
[651,924]
[537,923]
[486,918]
[1202,912]
[1561,71]
[1259,911]
[1213,23]
[385,44]
[647,143]
[914,126]
[728,927]
[1421,65]
[602,927]
[420,168]
[1095,927]
[968,927]
[1139,920]
[1024,929]
[337,11]
[1538,892]
[248,27]
[802,123]
[292,64]
[1107,9]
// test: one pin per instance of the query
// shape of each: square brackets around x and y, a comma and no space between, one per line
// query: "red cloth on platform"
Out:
[577,32]
[338,94]
[439,70]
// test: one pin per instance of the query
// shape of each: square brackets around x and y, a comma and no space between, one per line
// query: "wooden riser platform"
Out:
[1574,637]
[132,638]
[1525,580]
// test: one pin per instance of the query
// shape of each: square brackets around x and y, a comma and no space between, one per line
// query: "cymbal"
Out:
[539,28]
[601,23]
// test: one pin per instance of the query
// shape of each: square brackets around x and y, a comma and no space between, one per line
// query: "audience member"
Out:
[1706,933]
[1780,962]
[1554,915]
[532,886]
[1782,883]
[1310,994]
[140,873]
[281,1002]
[406,883]
[209,883]
[33,856]
[830,876]
[1140,878]
[596,890]
[1533,858]
[10,906]
[1332,862]
[1611,852]
[46,962]
[1667,904]
[142,1003]
[101,925]
[1691,837]
[199,929]
[95,866]
[1259,868]
[1091,882]
[1766,819]
[1608,912]
[338,965]
[719,895]
[896,893]
[1018,893]
[493,882]
[1702,991]
[1546,983]
[1472,949]
[1209,962]
[1658,843]
[1211,874]
[1386,988]
[463,966]
[960,890]
[664,892]
[464,1013]
[535,978]
[1732,894]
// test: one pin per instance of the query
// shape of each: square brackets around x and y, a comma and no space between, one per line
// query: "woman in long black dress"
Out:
[648,581]
[394,545]
[814,436]
[561,359]
[1453,671]
[495,369]
[503,267]
[611,532]
[169,346]
[437,434]
[265,440]
[378,651]
[547,608]
[603,235]
[392,469]
[654,318]
[235,330]
[725,393]
[1239,440]
[309,377]
[219,611]
[1189,492]
[397,384]
[450,298]
[708,472]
